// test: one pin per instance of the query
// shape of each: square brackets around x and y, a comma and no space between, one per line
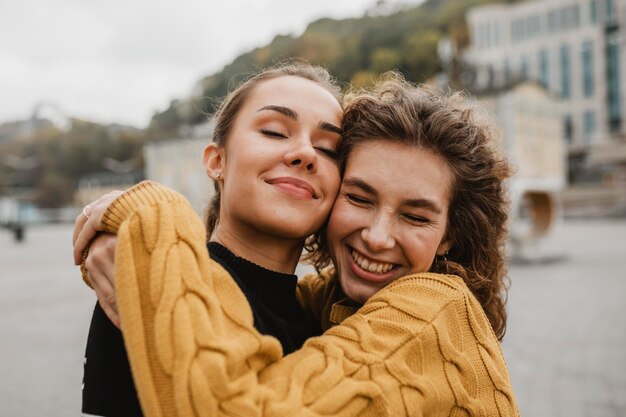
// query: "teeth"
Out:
[371,266]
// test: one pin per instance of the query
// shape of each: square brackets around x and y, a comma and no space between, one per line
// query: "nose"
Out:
[378,235]
[302,155]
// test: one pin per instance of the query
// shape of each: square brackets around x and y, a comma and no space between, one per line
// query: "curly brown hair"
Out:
[448,125]
[315,245]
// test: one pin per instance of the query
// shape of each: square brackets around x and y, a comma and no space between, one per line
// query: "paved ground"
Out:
[566,341]
[565,347]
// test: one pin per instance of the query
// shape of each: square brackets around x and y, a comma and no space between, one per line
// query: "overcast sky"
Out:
[122,60]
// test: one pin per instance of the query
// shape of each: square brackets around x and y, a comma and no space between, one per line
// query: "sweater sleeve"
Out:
[317,293]
[194,351]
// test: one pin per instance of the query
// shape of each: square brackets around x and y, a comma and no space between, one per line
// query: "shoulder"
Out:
[424,294]
[322,282]
[429,300]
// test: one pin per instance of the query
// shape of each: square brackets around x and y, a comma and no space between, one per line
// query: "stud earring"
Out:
[218,175]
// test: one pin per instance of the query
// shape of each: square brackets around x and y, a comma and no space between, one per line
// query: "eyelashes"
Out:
[365,202]
[273,133]
[329,152]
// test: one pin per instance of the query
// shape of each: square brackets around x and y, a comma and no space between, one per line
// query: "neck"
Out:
[270,252]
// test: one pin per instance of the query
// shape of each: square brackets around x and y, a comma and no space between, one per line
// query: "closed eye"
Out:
[273,133]
[415,219]
[331,153]
[356,199]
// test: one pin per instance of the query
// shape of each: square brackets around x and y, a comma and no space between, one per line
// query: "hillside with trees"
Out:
[354,50]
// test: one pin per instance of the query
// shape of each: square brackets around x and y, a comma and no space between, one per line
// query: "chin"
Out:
[357,292]
[295,225]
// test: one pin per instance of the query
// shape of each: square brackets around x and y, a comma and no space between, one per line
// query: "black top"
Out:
[108,388]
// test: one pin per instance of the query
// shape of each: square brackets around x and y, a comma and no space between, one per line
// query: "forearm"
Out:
[189,332]
[194,351]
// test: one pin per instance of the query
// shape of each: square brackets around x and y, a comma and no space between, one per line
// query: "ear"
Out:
[214,161]
[444,246]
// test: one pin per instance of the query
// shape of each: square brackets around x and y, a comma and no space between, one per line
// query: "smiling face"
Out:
[390,217]
[278,167]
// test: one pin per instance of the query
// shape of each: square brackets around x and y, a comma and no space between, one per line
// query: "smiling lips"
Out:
[370,265]
[294,186]
[368,269]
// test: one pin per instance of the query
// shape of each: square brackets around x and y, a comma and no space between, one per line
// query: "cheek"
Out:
[422,250]
[343,221]
[331,179]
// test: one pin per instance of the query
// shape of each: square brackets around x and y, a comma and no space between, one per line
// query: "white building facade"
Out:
[177,163]
[575,48]
[529,121]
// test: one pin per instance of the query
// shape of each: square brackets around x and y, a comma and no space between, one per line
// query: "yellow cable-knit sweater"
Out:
[422,346]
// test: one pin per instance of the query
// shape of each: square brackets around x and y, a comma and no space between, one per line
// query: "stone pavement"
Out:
[566,340]
[44,316]
[565,344]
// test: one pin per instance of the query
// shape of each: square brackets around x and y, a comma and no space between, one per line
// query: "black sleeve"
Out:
[108,388]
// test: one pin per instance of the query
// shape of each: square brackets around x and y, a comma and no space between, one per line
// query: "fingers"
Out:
[110,312]
[100,265]
[87,234]
[80,221]
[89,222]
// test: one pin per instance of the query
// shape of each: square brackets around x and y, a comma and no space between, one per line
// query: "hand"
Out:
[100,265]
[89,222]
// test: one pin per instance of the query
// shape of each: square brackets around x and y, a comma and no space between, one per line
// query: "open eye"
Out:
[273,133]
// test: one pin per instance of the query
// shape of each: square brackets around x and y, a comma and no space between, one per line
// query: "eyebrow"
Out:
[286,111]
[330,127]
[290,113]
[416,203]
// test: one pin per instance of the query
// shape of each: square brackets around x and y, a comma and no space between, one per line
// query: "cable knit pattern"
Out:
[421,346]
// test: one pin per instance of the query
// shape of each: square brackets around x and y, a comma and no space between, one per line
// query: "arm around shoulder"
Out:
[194,351]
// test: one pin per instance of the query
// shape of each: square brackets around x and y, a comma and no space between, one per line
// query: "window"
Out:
[589,126]
[593,10]
[544,76]
[524,68]
[552,21]
[532,26]
[493,30]
[610,11]
[575,16]
[565,72]
[569,17]
[613,84]
[517,30]
[587,66]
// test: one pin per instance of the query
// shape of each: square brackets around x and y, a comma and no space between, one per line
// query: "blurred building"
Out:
[576,49]
[93,186]
[177,163]
[529,120]
[573,47]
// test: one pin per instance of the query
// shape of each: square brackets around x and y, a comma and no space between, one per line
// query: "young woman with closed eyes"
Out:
[422,198]
[273,159]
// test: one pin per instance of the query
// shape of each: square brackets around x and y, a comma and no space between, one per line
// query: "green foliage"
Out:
[63,157]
